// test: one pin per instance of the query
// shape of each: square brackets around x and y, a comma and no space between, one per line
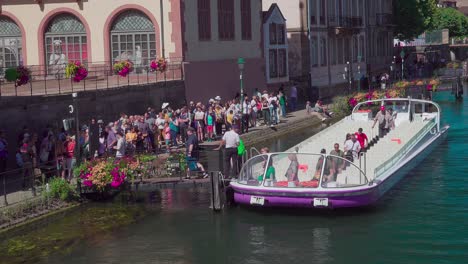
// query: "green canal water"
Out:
[422,220]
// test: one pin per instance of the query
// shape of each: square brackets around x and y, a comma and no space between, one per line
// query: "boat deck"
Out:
[378,154]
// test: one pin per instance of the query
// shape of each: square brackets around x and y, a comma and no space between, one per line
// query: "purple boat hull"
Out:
[364,196]
[308,202]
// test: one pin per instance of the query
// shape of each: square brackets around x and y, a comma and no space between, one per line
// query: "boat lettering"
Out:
[321,202]
[257,200]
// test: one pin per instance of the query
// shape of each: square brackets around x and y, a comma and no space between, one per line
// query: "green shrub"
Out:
[61,189]
[340,106]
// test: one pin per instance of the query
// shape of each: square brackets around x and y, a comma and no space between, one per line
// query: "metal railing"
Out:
[404,150]
[345,21]
[18,185]
[46,80]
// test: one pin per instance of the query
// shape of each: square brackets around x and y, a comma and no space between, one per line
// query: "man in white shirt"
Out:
[246,109]
[120,147]
[273,102]
[353,146]
[231,140]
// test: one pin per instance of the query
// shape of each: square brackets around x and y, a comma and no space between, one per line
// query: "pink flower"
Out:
[124,71]
[353,102]
[88,183]
[154,65]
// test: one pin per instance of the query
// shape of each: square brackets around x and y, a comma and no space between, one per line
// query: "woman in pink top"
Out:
[167,135]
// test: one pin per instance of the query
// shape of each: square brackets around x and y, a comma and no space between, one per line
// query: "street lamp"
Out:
[402,55]
[240,63]
[348,72]
[359,72]
[77,127]
[392,69]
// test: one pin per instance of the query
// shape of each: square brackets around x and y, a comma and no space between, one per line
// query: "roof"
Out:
[268,13]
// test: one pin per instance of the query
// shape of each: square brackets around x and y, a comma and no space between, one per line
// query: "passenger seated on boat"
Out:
[337,164]
[291,173]
[319,166]
[352,148]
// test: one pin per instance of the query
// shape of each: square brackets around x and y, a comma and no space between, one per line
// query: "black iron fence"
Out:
[48,80]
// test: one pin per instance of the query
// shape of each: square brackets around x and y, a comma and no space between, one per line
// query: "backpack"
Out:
[274,103]
[349,154]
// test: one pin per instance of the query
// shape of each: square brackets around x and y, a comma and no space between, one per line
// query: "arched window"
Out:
[133,38]
[10,43]
[65,40]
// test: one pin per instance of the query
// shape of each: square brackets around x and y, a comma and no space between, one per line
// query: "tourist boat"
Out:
[263,179]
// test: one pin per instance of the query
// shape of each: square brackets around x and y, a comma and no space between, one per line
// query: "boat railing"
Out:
[254,152]
[405,149]
[409,100]
[301,170]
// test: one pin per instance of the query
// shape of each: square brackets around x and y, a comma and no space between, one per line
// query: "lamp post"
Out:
[402,55]
[392,70]
[359,72]
[240,63]
[347,75]
[77,127]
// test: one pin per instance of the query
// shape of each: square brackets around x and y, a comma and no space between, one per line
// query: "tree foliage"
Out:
[413,17]
[453,20]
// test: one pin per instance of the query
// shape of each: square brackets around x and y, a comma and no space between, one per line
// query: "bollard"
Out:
[216,203]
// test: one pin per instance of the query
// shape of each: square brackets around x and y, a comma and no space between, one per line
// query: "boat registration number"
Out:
[321,202]
[257,200]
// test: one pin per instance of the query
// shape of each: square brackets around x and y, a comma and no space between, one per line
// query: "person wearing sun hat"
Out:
[380,118]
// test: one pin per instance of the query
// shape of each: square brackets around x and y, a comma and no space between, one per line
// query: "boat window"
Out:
[293,170]
[341,173]
[253,171]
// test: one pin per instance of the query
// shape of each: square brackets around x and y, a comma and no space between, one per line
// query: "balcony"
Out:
[100,76]
[384,19]
[345,22]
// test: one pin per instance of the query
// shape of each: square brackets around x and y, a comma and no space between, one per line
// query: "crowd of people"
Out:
[151,132]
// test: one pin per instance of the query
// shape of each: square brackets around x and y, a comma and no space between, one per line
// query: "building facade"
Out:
[347,39]
[207,36]
[275,47]
[216,34]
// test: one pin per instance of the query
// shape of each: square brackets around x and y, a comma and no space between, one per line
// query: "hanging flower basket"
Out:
[20,75]
[76,70]
[158,65]
[123,68]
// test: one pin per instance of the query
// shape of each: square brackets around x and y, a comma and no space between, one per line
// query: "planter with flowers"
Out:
[76,70]
[101,179]
[123,68]
[20,75]
[158,65]
[374,95]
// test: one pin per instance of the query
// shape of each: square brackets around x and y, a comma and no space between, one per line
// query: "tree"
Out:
[453,20]
[412,17]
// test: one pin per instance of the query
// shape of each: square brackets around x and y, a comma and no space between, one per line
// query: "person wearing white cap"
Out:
[218,98]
